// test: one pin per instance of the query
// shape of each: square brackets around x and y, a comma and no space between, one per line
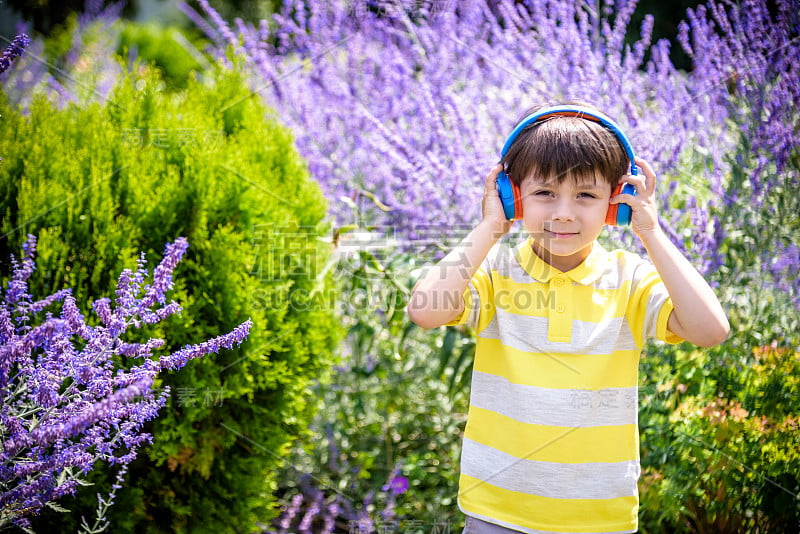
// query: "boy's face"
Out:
[564,219]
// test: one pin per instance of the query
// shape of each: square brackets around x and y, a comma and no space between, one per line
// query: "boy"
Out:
[551,442]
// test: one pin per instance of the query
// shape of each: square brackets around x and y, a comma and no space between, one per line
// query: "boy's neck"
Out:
[561,263]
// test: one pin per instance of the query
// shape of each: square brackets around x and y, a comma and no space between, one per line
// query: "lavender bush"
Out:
[401,107]
[74,392]
[752,64]
[425,92]
[749,60]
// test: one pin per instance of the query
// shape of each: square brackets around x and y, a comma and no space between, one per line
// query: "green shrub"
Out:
[172,50]
[721,441]
[97,184]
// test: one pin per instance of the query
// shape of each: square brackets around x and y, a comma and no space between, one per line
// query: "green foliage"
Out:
[721,427]
[167,48]
[99,183]
[396,404]
[721,441]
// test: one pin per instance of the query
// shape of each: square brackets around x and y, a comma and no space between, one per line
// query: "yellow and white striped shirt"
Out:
[552,442]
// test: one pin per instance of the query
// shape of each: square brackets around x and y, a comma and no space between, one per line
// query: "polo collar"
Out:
[587,272]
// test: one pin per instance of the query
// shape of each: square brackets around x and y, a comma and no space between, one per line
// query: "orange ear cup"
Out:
[517,201]
[611,214]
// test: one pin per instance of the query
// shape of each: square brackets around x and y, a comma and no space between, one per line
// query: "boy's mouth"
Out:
[560,235]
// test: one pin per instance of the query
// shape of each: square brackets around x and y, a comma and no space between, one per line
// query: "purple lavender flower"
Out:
[64,404]
[200,22]
[291,511]
[398,485]
[314,508]
[162,277]
[784,267]
[332,512]
[13,51]
[181,357]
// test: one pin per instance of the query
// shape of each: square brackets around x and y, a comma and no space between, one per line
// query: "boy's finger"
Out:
[649,173]
[624,199]
[491,178]
[638,181]
[642,164]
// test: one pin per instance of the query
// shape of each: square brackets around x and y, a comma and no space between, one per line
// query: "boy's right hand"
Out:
[493,213]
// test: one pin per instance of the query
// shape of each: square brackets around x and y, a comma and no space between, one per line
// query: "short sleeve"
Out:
[662,331]
[471,312]
[478,299]
[649,307]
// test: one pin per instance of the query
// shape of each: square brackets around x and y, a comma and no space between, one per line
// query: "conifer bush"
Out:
[100,183]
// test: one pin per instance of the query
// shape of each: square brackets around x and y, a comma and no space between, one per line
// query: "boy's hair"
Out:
[566,148]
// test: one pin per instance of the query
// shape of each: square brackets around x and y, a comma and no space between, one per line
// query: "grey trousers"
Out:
[478,526]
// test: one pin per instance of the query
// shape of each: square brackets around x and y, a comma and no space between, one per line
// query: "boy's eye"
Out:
[543,192]
[587,195]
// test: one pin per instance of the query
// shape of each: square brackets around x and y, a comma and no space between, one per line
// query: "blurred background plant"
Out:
[392,417]
[399,109]
[435,122]
[720,438]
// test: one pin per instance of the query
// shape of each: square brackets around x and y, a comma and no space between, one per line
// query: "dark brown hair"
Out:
[566,148]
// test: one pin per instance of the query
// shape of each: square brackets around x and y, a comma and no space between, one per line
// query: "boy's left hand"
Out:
[644,217]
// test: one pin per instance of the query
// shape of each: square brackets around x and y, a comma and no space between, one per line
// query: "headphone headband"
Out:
[573,111]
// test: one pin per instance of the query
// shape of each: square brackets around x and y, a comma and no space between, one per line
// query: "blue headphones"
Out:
[617,215]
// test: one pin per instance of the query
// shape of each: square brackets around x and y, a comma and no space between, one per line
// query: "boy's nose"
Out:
[564,211]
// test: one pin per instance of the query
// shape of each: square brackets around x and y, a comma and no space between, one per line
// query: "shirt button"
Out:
[559,282]
[560,309]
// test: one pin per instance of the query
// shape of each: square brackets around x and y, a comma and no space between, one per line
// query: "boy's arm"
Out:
[437,297]
[697,315]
